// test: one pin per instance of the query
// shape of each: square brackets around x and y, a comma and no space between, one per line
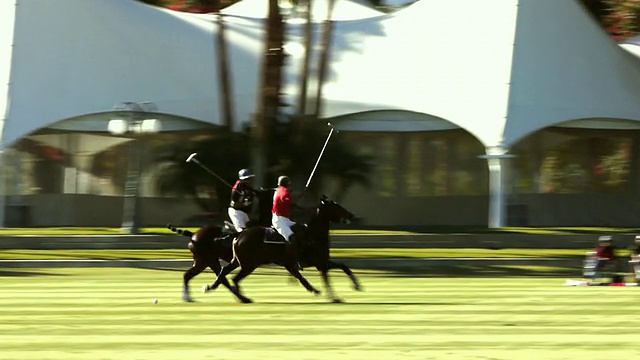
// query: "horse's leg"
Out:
[243,273]
[336,265]
[216,268]
[222,277]
[188,275]
[293,271]
[324,271]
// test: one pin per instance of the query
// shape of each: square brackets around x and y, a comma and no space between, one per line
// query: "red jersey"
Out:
[282,199]
[605,252]
[242,197]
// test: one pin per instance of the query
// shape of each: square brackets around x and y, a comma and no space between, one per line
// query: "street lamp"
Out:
[133,121]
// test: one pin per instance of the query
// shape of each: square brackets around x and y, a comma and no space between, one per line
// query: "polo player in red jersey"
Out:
[281,213]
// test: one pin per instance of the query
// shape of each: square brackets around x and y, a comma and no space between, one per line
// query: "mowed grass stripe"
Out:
[344,353]
[109,314]
[117,254]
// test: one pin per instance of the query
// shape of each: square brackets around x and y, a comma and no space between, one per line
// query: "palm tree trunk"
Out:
[327,32]
[301,117]
[226,91]
[269,101]
[304,75]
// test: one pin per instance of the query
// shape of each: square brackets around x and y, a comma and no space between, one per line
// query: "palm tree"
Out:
[226,153]
[277,147]
[223,152]
[224,74]
[340,162]
[325,51]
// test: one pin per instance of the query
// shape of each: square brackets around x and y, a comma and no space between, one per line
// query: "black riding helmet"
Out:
[245,174]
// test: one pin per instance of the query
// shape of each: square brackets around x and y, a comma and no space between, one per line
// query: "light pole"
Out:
[134,120]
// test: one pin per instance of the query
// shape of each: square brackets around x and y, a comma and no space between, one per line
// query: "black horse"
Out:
[207,246]
[259,246]
[212,243]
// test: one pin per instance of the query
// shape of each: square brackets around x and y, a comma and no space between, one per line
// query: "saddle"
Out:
[271,236]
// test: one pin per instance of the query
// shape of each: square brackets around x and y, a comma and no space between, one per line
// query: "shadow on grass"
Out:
[429,271]
[359,303]
[22,273]
[485,230]
[480,271]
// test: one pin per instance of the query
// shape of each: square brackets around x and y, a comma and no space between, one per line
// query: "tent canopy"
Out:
[343,10]
[76,57]
[501,76]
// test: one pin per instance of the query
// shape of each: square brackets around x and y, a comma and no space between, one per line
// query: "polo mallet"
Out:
[321,152]
[192,158]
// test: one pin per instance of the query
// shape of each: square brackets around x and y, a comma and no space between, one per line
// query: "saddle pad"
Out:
[271,236]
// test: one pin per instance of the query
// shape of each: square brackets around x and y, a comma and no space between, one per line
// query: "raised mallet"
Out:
[192,158]
[321,152]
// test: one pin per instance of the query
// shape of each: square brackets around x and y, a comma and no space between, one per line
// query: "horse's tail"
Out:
[183,232]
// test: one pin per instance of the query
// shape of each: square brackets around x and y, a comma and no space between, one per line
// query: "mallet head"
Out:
[191,157]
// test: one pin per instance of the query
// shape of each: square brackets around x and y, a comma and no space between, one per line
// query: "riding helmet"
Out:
[245,174]
[284,181]
[604,238]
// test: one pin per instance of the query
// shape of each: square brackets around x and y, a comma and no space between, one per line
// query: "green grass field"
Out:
[64,314]
[23,254]
[61,231]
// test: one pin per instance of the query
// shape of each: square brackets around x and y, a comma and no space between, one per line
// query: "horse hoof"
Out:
[246,300]
[337,301]
[316,292]
[358,287]
[188,299]
[205,288]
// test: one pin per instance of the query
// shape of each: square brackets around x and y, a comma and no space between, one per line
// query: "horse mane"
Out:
[318,228]
[265,203]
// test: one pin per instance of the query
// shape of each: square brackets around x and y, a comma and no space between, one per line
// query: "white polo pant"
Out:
[239,219]
[282,225]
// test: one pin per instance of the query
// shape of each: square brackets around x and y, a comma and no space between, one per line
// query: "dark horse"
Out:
[207,247]
[259,246]
[211,243]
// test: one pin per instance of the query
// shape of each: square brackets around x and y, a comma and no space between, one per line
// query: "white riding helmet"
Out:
[605,238]
[284,181]
[245,174]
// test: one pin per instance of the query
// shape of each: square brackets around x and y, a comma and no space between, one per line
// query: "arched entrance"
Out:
[427,170]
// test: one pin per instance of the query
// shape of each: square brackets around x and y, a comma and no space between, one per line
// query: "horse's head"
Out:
[333,211]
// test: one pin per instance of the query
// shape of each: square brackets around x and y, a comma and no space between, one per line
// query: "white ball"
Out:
[155,301]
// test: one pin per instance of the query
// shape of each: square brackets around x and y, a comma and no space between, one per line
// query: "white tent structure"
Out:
[515,67]
[499,69]
[74,59]
[632,45]
[506,71]
[66,65]
[343,10]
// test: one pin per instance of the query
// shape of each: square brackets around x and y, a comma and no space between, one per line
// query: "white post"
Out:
[496,160]
[3,189]
[137,123]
